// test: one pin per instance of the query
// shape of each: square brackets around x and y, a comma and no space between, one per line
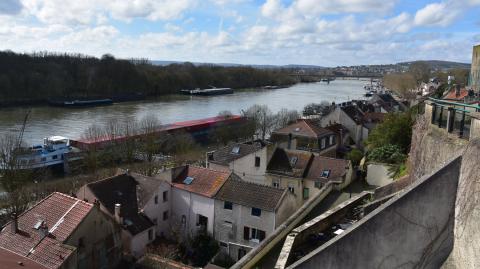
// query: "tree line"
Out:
[42,76]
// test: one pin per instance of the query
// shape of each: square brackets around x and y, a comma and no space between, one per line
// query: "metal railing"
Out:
[452,116]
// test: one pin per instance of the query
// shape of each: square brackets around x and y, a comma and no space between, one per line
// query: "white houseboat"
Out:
[50,153]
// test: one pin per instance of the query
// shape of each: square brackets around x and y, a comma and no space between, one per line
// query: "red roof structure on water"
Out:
[190,124]
[62,214]
[206,182]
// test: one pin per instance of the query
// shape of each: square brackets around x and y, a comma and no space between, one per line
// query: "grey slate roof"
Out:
[224,156]
[250,194]
[121,189]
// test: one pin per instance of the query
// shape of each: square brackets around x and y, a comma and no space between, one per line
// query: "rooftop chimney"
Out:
[43,229]
[14,223]
[289,146]
[117,213]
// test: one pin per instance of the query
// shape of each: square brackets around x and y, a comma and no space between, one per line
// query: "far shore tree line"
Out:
[41,76]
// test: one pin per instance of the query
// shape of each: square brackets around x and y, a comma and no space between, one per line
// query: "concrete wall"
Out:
[240,216]
[246,169]
[155,211]
[190,205]
[139,242]
[94,231]
[378,174]
[412,230]
[285,210]
[285,182]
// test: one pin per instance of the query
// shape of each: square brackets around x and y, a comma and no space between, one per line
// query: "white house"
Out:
[118,197]
[246,213]
[247,160]
[192,203]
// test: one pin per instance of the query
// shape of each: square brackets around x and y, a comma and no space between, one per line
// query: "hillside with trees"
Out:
[38,77]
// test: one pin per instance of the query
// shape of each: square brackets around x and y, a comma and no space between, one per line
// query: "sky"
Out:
[277,32]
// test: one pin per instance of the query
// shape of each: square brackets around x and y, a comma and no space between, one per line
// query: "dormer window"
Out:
[293,160]
[236,150]
[188,180]
[326,173]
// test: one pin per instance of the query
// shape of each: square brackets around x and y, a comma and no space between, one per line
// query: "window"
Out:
[257,161]
[236,150]
[256,212]
[150,234]
[246,233]
[156,199]
[323,143]
[241,253]
[306,193]
[332,140]
[165,196]
[293,160]
[258,235]
[44,159]
[155,220]
[81,242]
[276,184]
[291,189]
[228,205]
[325,173]
[202,220]
[165,215]
[318,184]
[54,157]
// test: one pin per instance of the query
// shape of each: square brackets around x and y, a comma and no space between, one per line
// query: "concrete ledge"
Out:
[413,229]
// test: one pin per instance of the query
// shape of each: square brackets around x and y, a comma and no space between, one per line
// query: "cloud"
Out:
[10,7]
[94,11]
[436,14]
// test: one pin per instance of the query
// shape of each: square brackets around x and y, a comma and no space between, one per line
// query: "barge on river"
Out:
[82,103]
[208,92]
[201,130]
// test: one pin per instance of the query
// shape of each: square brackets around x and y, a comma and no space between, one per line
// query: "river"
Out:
[47,121]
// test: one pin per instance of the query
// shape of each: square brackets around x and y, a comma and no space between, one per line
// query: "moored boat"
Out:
[82,103]
[208,92]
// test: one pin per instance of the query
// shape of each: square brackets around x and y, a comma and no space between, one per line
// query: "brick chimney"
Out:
[14,225]
[118,208]
[43,229]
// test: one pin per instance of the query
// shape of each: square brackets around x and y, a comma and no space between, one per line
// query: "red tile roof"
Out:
[205,182]
[62,214]
[305,128]
[11,260]
[337,167]
[452,95]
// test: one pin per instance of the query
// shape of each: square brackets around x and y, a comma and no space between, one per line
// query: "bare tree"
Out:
[93,134]
[263,119]
[284,117]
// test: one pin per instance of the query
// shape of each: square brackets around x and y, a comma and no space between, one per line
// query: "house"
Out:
[350,116]
[304,174]
[385,103]
[61,231]
[246,213]
[247,160]
[127,200]
[192,198]
[342,136]
[11,260]
[307,136]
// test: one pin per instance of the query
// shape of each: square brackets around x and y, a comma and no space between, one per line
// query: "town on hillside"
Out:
[364,179]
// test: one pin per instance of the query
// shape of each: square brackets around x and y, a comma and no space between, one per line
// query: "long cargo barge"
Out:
[199,129]
[208,92]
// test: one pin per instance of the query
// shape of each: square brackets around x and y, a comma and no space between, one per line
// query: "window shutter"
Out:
[261,235]
[246,233]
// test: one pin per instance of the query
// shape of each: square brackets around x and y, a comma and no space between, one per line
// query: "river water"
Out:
[47,121]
